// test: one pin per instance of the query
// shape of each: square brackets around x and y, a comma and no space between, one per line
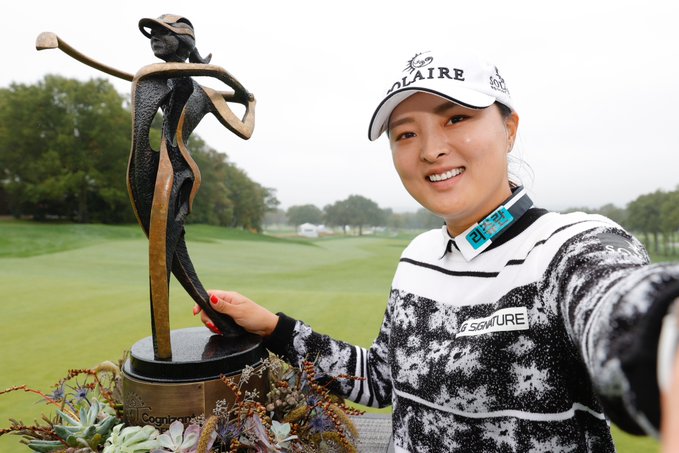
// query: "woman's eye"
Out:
[456,119]
[404,135]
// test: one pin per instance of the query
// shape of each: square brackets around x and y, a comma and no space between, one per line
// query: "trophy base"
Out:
[158,392]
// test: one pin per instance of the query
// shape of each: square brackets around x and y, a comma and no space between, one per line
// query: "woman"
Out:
[510,329]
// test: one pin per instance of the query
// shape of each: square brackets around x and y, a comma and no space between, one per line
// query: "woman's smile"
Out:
[445,175]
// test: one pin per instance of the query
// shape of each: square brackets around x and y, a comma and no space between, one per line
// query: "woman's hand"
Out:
[247,314]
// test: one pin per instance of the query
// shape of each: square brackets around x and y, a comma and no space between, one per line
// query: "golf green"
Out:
[75,295]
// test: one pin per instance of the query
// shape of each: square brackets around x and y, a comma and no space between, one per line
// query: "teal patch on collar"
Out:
[489,227]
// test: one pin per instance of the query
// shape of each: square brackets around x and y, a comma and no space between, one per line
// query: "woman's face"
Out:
[452,159]
[164,44]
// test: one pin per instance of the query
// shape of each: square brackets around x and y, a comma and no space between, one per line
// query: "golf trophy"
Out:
[176,375]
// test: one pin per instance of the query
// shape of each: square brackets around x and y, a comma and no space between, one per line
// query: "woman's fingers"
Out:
[207,321]
[221,302]
[246,313]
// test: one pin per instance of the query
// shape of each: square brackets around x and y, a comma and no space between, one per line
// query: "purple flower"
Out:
[81,394]
[321,423]
[227,431]
[58,394]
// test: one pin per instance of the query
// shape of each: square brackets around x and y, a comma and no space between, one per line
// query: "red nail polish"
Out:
[213,328]
[214,299]
[196,310]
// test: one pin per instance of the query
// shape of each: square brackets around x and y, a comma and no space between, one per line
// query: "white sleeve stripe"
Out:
[532,416]
[357,372]
[365,394]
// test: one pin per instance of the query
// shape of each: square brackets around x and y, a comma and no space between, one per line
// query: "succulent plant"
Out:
[281,432]
[88,430]
[133,439]
[177,440]
[283,399]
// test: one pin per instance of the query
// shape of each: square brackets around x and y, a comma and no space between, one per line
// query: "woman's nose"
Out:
[435,144]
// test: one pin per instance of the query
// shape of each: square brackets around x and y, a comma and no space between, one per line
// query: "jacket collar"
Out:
[482,234]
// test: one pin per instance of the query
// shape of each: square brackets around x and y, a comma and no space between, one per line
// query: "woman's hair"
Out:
[514,180]
[505,111]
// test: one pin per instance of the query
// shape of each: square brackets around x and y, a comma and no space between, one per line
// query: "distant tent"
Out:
[308,230]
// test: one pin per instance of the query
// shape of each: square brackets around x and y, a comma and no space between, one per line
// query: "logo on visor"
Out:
[498,83]
[416,62]
[417,70]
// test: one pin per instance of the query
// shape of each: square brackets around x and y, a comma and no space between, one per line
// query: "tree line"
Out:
[64,147]
[653,217]
[355,212]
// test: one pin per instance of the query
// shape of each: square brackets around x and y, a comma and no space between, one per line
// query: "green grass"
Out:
[75,295]
[24,238]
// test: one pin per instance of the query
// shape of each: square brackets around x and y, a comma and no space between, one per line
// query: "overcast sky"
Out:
[596,84]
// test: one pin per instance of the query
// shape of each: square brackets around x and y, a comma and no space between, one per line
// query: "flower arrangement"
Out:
[299,415]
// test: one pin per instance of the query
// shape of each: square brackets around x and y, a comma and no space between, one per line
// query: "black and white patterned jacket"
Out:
[531,344]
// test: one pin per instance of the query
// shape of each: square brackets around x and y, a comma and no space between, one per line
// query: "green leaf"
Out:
[45,446]
[65,432]
[105,426]
[67,418]
[88,432]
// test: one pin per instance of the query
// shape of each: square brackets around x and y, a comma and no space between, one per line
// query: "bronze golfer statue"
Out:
[162,185]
